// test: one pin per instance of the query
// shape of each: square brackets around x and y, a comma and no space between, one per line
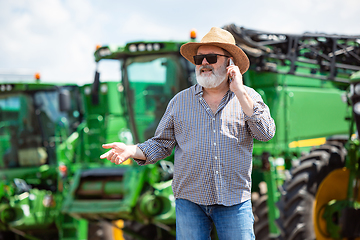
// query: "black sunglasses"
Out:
[210,58]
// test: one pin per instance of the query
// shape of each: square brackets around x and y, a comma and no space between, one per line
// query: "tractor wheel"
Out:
[261,224]
[333,187]
[300,191]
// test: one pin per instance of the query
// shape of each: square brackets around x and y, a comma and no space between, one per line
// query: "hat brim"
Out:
[189,50]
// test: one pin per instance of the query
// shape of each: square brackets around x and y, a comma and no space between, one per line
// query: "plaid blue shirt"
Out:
[213,152]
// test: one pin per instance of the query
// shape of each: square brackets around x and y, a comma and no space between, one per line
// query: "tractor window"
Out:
[55,125]
[109,70]
[18,132]
[9,114]
[153,81]
[30,126]
[150,72]
[10,103]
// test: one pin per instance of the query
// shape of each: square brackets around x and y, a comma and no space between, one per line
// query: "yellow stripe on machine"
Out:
[307,142]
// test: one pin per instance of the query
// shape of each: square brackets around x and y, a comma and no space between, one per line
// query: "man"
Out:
[211,125]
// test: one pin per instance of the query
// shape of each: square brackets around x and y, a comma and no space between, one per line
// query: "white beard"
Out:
[214,80]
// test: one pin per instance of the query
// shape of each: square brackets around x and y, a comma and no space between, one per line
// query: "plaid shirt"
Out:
[213,152]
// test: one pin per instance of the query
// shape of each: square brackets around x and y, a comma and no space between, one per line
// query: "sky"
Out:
[57,38]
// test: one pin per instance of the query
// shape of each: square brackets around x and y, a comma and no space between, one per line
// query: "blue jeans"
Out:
[194,222]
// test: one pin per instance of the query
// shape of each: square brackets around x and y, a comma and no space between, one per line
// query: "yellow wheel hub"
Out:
[333,187]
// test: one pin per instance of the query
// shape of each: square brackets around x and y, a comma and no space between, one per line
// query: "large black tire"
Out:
[296,203]
[261,223]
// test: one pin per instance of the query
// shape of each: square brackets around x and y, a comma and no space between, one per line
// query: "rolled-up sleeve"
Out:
[260,123]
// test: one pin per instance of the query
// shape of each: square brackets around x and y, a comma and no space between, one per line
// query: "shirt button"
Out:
[217,172]
[215,157]
[213,119]
[214,131]
[214,144]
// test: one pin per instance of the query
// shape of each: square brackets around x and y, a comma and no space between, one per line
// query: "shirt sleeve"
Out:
[161,145]
[261,124]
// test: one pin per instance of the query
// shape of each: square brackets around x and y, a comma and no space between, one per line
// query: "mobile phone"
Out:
[230,63]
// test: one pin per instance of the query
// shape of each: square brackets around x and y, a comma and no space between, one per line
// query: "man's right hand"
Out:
[120,152]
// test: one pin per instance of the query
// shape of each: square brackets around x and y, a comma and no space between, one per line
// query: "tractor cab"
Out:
[34,119]
[151,74]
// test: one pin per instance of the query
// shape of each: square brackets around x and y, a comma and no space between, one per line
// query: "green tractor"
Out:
[321,197]
[311,167]
[50,134]
[35,119]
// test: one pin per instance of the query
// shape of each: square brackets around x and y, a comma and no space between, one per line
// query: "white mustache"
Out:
[206,67]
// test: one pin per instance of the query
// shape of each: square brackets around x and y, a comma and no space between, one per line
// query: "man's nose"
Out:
[204,61]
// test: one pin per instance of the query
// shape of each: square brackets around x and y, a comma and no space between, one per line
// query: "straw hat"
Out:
[220,38]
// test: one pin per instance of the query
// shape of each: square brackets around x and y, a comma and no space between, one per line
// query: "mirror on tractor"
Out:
[95,89]
[64,100]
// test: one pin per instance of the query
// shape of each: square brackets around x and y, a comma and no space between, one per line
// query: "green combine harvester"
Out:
[64,191]
[306,80]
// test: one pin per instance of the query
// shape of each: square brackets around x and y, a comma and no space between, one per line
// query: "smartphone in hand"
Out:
[230,63]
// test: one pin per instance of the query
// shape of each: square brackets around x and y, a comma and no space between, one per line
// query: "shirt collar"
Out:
[199,90]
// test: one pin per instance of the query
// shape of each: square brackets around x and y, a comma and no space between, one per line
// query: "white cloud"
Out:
[51,37]
[138,24]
